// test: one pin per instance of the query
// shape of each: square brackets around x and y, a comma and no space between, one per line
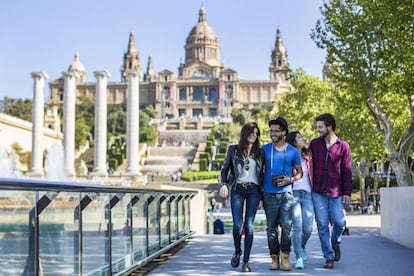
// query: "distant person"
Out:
[302,210]
[126,231]
[213,203]
[241,176]
[332,186]
[282,168]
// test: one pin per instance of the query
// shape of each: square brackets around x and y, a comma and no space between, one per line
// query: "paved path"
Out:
[364,252]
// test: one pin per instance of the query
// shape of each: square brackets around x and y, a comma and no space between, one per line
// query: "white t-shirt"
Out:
[303,183]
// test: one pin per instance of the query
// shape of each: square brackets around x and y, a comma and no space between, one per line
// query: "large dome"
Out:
[202,32]
[76,65]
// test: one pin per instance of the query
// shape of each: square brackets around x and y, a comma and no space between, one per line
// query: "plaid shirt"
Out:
[331,168]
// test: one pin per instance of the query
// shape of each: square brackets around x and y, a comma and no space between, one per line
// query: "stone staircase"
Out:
[166,160]
[86,156]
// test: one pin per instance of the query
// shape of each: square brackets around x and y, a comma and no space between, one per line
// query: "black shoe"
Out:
[329,264]
[337,251]
[235,260]
[346,231]
[246,267]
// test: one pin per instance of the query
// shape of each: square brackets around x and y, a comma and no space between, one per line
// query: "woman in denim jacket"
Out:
[241,176]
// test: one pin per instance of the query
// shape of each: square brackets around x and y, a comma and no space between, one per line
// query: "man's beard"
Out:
[323,134]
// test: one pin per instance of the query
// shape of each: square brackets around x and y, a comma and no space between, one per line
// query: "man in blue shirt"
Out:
[282,168]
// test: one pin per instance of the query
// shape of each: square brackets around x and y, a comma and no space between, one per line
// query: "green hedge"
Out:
[205,155]
[220,156]
[200,175]
[204,164]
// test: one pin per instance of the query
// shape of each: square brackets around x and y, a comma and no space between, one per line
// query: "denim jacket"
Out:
[230,170]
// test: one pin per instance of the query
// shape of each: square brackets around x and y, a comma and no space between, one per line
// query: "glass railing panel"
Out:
[121,233]
[153,227]
[174,220]
[139,226]
[95,235]
[165,222]
[56,228]
[181,218]
[14,232]
[58,231]
[187,215]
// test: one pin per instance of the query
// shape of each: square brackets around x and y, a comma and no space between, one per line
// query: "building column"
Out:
[132,144]
[69,108]
[36,167]
[100,168]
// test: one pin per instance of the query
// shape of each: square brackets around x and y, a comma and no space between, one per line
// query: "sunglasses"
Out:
[246,164]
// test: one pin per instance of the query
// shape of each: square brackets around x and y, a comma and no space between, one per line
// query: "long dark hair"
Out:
[246,130]
[291,139]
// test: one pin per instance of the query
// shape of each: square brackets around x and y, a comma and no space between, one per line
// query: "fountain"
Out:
[55,163]
[9,164]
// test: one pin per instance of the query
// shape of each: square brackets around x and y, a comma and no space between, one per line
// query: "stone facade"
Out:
[203,86]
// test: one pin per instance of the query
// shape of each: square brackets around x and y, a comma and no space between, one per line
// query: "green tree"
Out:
[85,108]
[82,129]
[241,116]
[369,46]
[116,120]
[147,132]
[17,107]
[310,97]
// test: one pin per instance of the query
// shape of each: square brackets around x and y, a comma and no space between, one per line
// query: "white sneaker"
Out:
[299,263]
[304,255]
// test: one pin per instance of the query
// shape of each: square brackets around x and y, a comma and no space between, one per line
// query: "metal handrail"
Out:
[44,198]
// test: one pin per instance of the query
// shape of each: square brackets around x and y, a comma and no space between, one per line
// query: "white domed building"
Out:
[204,87]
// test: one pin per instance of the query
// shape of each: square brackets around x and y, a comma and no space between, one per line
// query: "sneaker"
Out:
[246,267]
[235,260]
[304,255]
[329,264]
[299,263]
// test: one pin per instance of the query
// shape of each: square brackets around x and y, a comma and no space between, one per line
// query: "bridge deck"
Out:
[364,252]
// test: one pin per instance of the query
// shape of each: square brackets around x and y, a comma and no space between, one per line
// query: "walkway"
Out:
[364,252]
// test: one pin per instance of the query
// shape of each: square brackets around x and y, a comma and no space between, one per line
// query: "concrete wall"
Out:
[199,206]
[13,130]
[397,214]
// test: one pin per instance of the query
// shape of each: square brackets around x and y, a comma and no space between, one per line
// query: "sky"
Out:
[43,36]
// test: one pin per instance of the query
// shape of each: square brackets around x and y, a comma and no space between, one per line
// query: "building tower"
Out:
[78,68]
[150,73]
[131,58]
[279,67]
[202,51]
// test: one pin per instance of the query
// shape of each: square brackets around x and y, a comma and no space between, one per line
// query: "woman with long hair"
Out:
[241,178]
[302,211]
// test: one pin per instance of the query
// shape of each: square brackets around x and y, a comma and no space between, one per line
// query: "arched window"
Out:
[198,94]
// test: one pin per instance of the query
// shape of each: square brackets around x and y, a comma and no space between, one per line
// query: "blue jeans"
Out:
[302,219]
[238,197]
[278,209]
[329,210]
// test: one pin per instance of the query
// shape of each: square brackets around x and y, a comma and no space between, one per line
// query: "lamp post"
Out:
[163,101]
[229,90]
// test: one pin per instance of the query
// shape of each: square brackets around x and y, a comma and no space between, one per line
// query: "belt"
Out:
[247,184]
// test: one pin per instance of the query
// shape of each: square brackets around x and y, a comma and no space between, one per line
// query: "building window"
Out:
[212,95]
[183,94]
[212,112]
[197,112]
[198,94]
[181,112]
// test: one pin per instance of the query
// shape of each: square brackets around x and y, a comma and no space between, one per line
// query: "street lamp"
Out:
[229,90]
[163,101]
